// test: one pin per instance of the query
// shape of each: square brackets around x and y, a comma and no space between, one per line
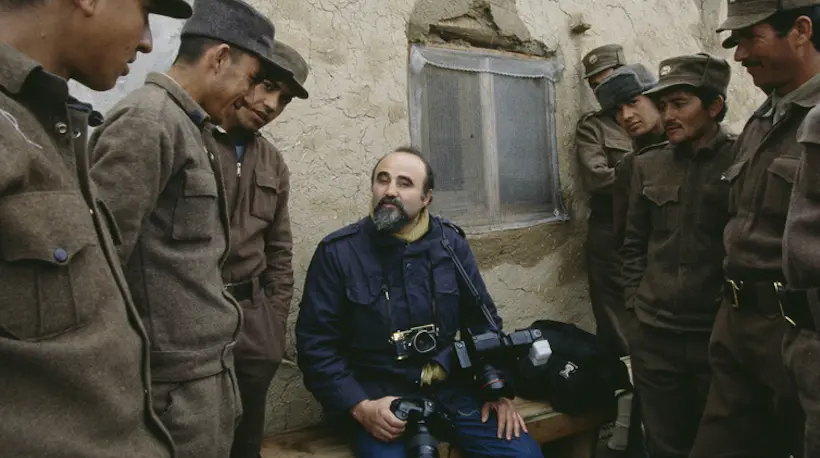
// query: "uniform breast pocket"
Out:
[779,180]
[265,196]
[52,271]
[366,316]
[809,180]
[665,208]
[447,297]
[196,210]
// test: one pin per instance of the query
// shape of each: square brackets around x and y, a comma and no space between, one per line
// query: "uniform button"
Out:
[61,128]
[91,210]
[407,266]
[60,255]
[77,134]
[211,155]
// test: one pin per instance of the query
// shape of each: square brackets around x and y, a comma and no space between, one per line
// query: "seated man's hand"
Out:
[508,418]
[377,418]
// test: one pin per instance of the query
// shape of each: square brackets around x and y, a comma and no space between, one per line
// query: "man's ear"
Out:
[219,57]
[428,198]
[716,106]
[88,7]
[803,29]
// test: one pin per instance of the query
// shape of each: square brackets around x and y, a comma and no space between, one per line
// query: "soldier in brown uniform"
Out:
[74,374]
[259,271]
[752,409]
[164,188]
[600,145]
[620,95]
[673,250]
[801,266]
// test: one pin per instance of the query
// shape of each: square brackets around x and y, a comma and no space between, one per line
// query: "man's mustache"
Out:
[391,201]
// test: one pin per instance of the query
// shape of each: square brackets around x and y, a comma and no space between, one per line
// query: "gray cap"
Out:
[694,70]
[236,23]
[623,85]
[746,13]
[603,58]
[290,59]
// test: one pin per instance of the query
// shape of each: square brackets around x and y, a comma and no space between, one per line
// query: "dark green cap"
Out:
[746,13]
[602,58]
[693,70]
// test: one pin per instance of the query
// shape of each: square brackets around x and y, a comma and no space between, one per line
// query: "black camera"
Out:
[417,341]
[499,346]
[418,413]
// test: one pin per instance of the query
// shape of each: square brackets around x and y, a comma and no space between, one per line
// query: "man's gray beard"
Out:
[389,219]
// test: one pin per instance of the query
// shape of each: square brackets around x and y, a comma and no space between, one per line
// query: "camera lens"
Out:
[424,342]
[422,444]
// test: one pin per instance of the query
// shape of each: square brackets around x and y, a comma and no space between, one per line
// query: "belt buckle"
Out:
[778,286]
[735,289]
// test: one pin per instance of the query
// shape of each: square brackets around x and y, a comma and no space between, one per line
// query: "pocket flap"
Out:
[785,167]
[266,181]
[732,172]
[364,292]
[45,226]
[200,183]
[661,195]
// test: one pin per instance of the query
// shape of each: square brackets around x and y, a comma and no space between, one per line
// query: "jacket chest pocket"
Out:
[447,298]
[664,208]
[265,195]
[615,150]
[779,180]
[366,316]
[52,272]
[196,211]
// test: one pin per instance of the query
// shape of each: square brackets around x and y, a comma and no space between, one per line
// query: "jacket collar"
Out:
[382,239]
[708,150]
[806,96]
[180,96]
[19,73]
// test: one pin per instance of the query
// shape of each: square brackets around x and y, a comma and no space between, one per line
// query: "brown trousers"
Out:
[201,414]
[671,373]
[752,409]
[801,353]
[612,320]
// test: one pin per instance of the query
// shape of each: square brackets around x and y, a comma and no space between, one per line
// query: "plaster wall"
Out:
[357,50]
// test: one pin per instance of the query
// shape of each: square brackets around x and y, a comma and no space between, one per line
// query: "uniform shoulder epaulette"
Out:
[589,114]
[347,231]
[453,226]
[651,147]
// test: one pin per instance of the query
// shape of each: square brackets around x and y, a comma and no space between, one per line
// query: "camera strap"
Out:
[466,278]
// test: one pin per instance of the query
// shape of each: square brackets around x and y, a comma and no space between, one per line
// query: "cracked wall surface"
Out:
[357,50]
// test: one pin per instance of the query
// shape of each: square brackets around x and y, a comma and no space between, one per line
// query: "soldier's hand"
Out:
[377,418]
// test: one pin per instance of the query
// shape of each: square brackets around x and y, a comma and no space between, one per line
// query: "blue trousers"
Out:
[472,437]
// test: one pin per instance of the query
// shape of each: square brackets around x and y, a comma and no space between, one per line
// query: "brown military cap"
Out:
[694,70]
[746,13]
[602,58]
[290,59]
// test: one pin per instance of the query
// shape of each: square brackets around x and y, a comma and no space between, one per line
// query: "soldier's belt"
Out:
[760,297]
[800,307]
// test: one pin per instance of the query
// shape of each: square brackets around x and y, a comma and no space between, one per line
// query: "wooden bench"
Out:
[578,435]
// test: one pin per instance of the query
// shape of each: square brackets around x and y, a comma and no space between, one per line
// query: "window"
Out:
[486,122]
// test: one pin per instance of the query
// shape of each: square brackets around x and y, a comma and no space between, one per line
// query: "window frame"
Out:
[488,63]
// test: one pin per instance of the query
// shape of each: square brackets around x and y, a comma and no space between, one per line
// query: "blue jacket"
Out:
[343,330]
